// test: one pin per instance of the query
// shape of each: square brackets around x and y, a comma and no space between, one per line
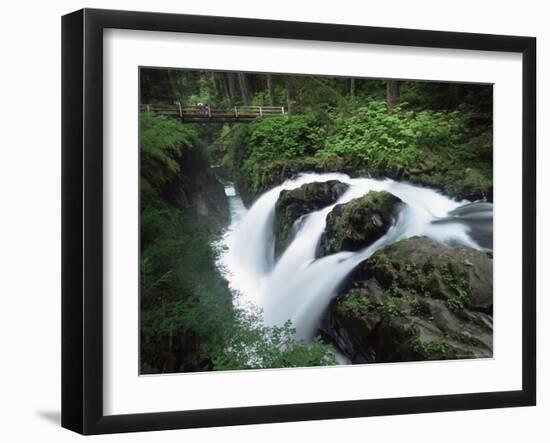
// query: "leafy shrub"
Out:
[186,307]
[446,149]
[254,346]
[284,137]
[374,138]
[161,142]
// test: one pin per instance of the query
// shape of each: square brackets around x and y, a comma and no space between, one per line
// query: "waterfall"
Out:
[297,286]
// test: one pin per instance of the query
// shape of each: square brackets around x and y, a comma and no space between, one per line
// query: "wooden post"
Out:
[261,113]
[148,107]
[236,113]
[282,109]
[179,110]
[209,112]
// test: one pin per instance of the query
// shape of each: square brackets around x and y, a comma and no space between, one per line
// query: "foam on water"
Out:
[298,286]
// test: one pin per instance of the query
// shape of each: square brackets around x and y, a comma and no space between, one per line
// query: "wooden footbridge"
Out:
[207,114]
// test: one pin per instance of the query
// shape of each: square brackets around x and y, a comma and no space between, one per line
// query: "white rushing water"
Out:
[298,286]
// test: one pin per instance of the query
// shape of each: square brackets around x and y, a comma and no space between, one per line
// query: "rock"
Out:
[198,189]
[272,174]
[359,223]
[416,299]
[459,275]
[295,203]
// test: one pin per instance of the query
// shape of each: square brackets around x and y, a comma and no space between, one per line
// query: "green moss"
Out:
[284,221]
[390,309]
[442,278]
[418,307]
[381,266]
[360,222]
[455,280]
[355,304]
[296,203]
[434,350]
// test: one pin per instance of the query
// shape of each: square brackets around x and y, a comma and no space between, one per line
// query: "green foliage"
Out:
[448,149]
[440,135]
[392,142]
[351,226]
[355,304]
[184,302]
[151,283]
[390,309]
[456,281]
[161,143]
[254,346]
[283,137]
[395,290]
[256,150]
[444,279]
[186,86]
[238,147]
[186,307]
[434,350]
[260,99]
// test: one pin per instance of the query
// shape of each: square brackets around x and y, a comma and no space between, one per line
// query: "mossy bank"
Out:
[446,150]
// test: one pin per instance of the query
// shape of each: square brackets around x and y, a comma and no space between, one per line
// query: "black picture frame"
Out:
[82,218]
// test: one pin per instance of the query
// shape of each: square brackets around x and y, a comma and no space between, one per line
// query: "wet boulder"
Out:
[416,299]
[359,223]
[293,204]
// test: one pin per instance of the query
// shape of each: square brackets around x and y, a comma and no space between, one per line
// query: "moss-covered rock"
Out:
[294,204]
[459,181]
[267,176]
[416,299]
[359,223]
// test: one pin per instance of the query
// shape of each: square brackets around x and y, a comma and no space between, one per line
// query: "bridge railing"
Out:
[159,108]
[177,110]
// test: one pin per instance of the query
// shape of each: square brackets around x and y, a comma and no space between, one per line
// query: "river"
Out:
[299,287]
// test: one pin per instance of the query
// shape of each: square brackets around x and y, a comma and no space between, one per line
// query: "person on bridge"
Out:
[202,108]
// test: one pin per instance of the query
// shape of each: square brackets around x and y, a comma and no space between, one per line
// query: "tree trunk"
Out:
[232,84]
[352,87]
[270,90]
[245,88]
[225,84]
[453,96]
[290,95]
[217,86]
[221,86]
[393,93]
[173,81]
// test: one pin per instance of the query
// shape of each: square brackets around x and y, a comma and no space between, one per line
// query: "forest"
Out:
[378,141]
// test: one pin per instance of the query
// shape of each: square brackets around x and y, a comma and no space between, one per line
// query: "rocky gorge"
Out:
[354,216]
[384,271]
[415,299]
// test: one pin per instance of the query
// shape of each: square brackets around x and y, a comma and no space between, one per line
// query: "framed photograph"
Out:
[269,221]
